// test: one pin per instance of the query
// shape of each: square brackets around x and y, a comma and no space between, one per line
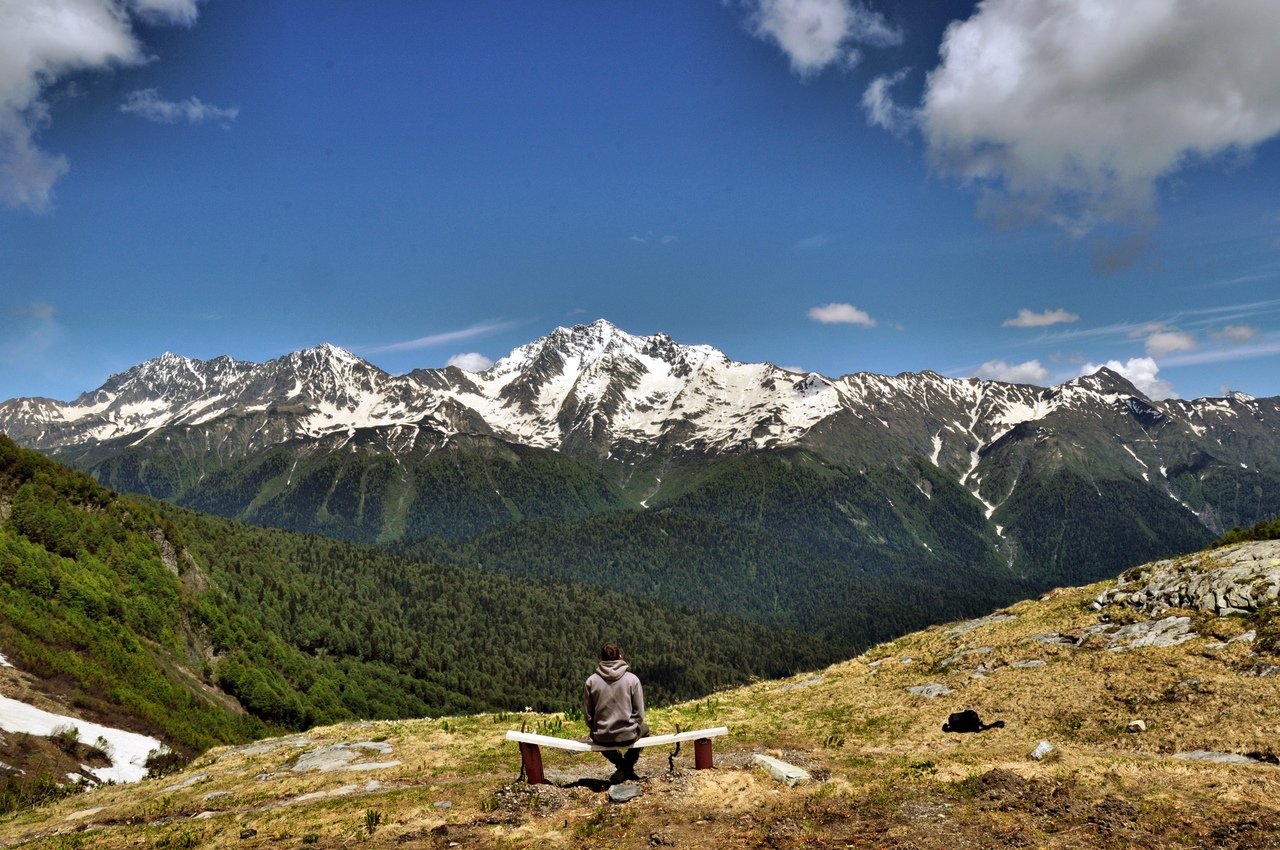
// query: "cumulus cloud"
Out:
[470,362]
[1070,112]
[1028,319]
[1236,334]
[815,34]
[148,104]
[1167,342]
[42,41]
[1031,372]
[841,314]
[1142,372]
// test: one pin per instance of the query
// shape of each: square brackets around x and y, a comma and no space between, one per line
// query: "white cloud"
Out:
[651,237]
[148,104]
[1028,319]
[818,240]
[470,362]
[883,111]
[1031,372]
[480,329]
[1142,372]
[166,11]
[1236,334]
[841,314]
[815,34]
[1167,342]
[42,41]
[1070,111]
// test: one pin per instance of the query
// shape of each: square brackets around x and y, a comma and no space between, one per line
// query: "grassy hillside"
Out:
[885,775]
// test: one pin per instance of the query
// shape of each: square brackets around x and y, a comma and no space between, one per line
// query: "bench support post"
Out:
[702,754]
[531,756]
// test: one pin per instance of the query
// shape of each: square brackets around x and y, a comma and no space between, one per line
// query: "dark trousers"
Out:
[625,761]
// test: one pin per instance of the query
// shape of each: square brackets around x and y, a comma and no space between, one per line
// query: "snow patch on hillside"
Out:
[128,750]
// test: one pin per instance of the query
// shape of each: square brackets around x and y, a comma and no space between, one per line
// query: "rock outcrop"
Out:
[1234,580]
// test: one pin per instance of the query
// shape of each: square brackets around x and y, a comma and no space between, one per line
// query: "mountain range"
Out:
[581,454]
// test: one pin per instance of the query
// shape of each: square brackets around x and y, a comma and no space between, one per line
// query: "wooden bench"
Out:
[531,756]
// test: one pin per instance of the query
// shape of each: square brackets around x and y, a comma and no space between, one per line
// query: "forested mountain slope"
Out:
[201,630]
[591,420]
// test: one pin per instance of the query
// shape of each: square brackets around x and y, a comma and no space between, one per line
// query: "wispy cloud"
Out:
[818,240]
[885,112]
[477,330]
[816,34]
[1202,317]
[651,238]
[1268,347]
[1028,319]
[42,41]
[841,314]
[30,332]
[147,103]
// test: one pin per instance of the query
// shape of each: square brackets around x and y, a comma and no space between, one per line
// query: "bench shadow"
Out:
[594,785]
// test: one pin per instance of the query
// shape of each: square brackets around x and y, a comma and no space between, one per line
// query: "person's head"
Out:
[610,652]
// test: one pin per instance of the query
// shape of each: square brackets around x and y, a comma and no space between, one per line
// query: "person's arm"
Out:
[637,701]
[588,710]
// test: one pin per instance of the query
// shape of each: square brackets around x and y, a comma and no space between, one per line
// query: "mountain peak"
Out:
[1106,381]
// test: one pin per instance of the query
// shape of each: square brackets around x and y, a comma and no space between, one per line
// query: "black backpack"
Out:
[968,721]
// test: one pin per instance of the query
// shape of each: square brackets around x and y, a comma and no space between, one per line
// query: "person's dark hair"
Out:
[610,652]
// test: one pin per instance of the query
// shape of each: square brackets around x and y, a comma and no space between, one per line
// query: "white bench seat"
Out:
[531,756]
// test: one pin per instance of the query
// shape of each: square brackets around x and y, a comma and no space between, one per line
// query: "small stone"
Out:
[444,804]
[1042,751]
[247,833]
[1028,664]
[623,793]
[1136,726]
[929,691]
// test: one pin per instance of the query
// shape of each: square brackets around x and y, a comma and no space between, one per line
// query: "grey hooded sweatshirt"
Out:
[613,704]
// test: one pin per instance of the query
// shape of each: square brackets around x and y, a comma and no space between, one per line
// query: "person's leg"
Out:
[633,755]
[629,762]
[616,759]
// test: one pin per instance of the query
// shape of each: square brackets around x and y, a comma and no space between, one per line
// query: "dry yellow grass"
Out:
[888,775]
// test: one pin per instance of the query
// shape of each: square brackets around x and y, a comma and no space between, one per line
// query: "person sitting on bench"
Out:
[613,706]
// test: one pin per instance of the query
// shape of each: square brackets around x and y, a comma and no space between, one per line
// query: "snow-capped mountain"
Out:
[597,391]
[631,407]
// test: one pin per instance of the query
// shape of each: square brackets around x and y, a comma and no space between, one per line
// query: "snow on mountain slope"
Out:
[596,391]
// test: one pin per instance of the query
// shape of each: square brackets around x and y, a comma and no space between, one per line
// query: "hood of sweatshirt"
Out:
[611,671]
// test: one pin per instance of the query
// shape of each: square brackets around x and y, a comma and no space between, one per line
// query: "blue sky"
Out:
[1017,189]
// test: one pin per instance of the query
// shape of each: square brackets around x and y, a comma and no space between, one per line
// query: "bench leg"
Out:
[532,758]
[702,754]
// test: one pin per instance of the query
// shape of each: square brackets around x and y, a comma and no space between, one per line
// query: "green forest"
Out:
[132,608]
